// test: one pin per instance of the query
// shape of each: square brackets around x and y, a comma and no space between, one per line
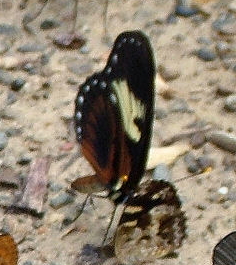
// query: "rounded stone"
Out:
[17,84]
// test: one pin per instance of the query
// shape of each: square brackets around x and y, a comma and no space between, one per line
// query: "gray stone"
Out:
[17,84]
[191,163]
[230,103]
[206,54]
[31,47]
[61,200]
[49,24]
[3,140]
[162,172]
[7,29]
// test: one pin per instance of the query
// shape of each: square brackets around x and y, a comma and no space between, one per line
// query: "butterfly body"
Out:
[114,114]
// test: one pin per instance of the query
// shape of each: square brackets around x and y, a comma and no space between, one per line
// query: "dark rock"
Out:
[17,84]
[31,47]
[49,24]
[206,54]
[185,11]
[198,140]
[3,140]
[61,200]
[230,103]
[7,29]
[224,91]
[5,78]
[191,163]
[162,172]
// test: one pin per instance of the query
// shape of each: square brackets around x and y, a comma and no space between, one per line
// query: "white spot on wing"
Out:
[86,88]
[131,40]
[94,82]
[103,84]
[114,59]
[80,100]
[79,130]
[113,98]
[108,70]
[78,115]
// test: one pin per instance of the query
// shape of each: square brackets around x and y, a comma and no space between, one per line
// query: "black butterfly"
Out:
[113,117]
[225,251]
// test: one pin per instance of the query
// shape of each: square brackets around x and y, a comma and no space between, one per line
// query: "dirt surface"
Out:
[40,119]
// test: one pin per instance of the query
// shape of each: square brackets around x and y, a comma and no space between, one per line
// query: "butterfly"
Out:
[8,250]
[152,224]
[114,115]
[225,251]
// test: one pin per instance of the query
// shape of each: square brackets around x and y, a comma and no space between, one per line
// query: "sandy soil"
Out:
[45,122]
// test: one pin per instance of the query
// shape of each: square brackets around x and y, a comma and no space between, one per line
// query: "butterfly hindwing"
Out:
[152,221]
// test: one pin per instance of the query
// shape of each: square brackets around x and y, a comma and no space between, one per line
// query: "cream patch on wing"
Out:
[131,108]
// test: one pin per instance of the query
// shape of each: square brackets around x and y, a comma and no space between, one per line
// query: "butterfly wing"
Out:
[8,250]
[114,112]
[225,251]
[99,131]
[152,224]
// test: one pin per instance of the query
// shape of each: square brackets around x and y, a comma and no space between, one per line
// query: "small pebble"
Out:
[162,172]
[191,163]
[3,140]
[198,140]
[7,29]
[55,187]
[28,262]
[17,84]
[206,54]
[185,11]
[49,24]
[223,190]
[205,162]
[230,103]
[61,200]
[168,74]
[31,47]
[29,68]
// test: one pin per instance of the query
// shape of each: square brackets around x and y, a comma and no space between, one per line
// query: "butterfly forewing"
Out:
[152,225]
[114,112]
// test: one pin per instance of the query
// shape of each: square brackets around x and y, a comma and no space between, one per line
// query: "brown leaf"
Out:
[69,41]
